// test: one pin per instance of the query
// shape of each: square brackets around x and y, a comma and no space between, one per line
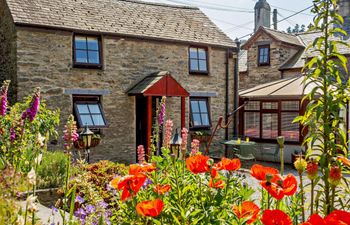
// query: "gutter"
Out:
[235,90]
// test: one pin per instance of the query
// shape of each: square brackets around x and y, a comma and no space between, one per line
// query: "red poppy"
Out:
[131,184]
[214,173]
[216,183]
[228,164]
[275,217]
[141,168]
[337,217]
[150,208]
[161,189]
[248,211]
[344,160]
[197,164]
[278,186]
[260,172]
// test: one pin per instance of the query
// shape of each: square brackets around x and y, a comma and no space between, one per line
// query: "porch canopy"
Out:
[159,84]
[271,108]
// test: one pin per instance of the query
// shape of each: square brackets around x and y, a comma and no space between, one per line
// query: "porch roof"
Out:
[283,88]
[158,84]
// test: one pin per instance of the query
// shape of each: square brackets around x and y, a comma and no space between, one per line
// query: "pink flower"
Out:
[12,134]
[195,147]
[3,97]
[162,112]
[31,112]
[141,154]
[168,131]
[70,133]
[184,135]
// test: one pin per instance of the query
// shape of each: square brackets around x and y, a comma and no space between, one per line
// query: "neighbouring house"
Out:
[270,81]
[110,61]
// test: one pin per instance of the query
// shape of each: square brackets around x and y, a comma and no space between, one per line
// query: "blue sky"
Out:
[236,17]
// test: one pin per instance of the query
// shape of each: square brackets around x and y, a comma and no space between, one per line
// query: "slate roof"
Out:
[123,17]
[147,82]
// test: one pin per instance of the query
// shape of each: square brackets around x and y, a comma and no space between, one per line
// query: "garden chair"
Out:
[246,153]
[270,151]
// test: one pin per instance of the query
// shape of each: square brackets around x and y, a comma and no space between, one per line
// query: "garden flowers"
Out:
[33,109]
[130,185]
[161,189]
[150,208]
[197,164]
[70,133]
[278,186]
[3,97]
[337,217]
[260,172]
[247,211]
[228,164]
[275,217]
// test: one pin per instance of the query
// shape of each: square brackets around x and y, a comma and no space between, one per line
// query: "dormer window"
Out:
[198,60]
[87,51]
[264,55]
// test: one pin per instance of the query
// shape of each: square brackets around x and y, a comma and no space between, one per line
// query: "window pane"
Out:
[202,54]
[82,108]
[81,56]
[288,129]
[80,42]
[203,106]
[94,57]
[194,106]
[269,125]
[98,120]
[205,119]
[94,108]
[252,124]
[196,119]
[202,65]
[270,105]
[290,105]
[252,105]
[193,53]
[86,120]
[194,65]
[92,43]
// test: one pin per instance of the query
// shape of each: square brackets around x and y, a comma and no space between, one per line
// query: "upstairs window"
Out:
[199,113]
[87,51]
[264,55]
[88,111]
[198,60]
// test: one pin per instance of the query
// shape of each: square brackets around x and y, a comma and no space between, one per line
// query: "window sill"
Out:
[204,73]
[264,64]
[87,66]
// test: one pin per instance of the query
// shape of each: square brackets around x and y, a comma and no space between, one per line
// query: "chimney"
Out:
[262,11]
[274,19]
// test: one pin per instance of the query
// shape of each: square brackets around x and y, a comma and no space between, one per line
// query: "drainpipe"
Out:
[235,90]
[274,19]
[227,95]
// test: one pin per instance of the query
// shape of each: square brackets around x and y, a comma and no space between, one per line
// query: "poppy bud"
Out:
[210,162]
[269,177]
[335,175]
[300,165]
[312,169]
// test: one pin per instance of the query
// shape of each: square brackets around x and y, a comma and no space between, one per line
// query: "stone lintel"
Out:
[203,94]
[87,92]
[263,42]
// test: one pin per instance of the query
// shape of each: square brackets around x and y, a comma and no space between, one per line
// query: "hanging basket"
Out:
[79,144]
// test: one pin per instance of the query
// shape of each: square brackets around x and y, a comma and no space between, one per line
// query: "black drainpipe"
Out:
[227,95]
[235,90]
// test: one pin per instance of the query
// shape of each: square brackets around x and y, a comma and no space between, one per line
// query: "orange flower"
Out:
[150,208]
[275,217]
[159,189]
[260,172]
[337,217]
[228,164]
[141,168]
[216,183]
[344,160]
[312,169]
[248,211]
[131,184]
[278,187]
[197,164]
[114,182]
[335,175]
[214,173]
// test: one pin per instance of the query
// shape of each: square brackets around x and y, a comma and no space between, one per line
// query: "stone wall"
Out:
[7,49]
[279,53]
[45,59]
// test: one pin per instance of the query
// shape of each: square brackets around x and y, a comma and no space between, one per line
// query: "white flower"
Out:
[31,205]
[41,140]
[38,159]
[20,220]
[32,176]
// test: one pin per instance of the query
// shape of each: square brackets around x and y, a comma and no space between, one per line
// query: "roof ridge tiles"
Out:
[160,4]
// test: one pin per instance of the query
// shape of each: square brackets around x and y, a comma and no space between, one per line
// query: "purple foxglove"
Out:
[3,97]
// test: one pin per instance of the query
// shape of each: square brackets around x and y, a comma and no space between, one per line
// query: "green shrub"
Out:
[51,172]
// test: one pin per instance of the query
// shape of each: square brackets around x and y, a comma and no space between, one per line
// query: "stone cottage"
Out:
[270,81]
[110,61]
